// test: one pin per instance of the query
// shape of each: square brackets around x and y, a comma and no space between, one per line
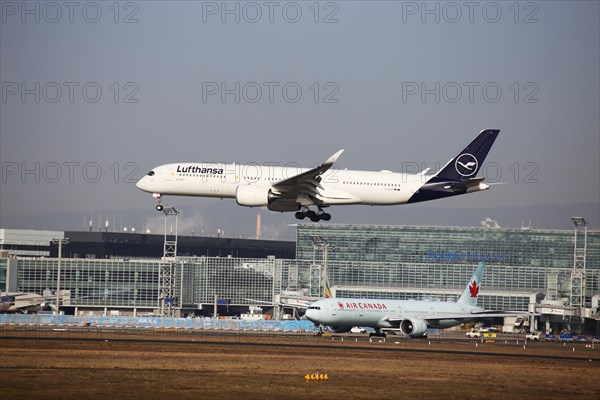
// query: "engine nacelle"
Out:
[339,329]
[413,327]
[252,195]
[282,205]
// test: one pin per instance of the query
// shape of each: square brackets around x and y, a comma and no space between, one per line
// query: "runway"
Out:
[219,365]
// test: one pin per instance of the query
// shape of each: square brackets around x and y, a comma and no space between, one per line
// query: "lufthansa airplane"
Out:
[409,317]
[291,189]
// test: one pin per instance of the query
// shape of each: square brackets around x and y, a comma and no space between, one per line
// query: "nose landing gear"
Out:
[159,206]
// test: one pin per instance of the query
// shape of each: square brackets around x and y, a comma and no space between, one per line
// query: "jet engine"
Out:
[260,196]
[413,327]
[339,329]
[253,196]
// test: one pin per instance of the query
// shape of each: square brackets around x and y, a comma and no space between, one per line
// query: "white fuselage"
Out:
[377,313]
[337,186]
[291,188]
[21,302]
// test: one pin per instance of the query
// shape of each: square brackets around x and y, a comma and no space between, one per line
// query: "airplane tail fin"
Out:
[471,292]
[468,162]
[328,294]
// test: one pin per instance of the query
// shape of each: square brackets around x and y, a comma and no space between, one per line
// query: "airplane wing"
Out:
[300,306]
[21,302]
[305,186]
[466,316]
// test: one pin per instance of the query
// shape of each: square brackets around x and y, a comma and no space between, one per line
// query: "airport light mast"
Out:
[319,273]
[577,300]
[166,267]
[60,242]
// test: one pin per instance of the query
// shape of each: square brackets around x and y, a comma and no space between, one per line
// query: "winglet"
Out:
[471,292]
[333,158]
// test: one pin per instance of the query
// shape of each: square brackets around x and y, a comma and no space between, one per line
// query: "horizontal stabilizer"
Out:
[465,185]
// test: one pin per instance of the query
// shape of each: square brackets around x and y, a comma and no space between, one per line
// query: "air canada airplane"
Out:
[409,317]
[292,189]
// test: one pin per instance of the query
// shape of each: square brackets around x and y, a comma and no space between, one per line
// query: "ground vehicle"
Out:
[533,336]
[565,337]
[474,334]
[358,329]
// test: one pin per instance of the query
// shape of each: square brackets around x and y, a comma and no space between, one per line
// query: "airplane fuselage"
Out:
[337,186]
[291,188]
[14,302]
[341,312]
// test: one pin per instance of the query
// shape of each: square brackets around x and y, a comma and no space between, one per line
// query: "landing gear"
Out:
[378,333]
[314,216]
[159,206]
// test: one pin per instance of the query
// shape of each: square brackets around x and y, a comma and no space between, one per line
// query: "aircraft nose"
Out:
[141,184]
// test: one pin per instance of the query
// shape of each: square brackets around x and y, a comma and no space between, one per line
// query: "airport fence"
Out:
[7,320]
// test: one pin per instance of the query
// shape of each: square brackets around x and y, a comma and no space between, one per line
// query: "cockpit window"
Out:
[151,173]
[314,308]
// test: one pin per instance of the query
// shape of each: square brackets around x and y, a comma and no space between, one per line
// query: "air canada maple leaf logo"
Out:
[474,289]
[341,305]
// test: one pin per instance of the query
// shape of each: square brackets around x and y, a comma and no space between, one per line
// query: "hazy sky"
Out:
[95,94]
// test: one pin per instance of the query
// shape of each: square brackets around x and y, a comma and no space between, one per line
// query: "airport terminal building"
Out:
[524,268]
[404,261]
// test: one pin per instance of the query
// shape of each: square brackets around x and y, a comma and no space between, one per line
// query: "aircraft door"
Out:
[169,174]
[333,309]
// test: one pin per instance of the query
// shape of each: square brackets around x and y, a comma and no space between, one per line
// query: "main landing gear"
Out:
[159,206]
[314,216]
[378,333]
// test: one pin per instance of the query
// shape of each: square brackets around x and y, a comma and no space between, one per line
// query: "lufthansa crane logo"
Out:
[466,164]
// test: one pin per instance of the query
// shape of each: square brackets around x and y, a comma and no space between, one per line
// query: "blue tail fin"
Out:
[468,162]
[471,292]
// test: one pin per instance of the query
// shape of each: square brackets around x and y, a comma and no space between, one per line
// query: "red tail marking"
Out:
[474,289]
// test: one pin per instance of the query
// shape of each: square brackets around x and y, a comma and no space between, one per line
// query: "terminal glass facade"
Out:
[134,284]
[3,274]
[101,283]
[233,281]
[394,262]
[380,261]
[446,245]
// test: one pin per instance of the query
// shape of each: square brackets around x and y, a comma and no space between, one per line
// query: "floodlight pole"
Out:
[577,300]
[166,268]
[60,242]
[319,242]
